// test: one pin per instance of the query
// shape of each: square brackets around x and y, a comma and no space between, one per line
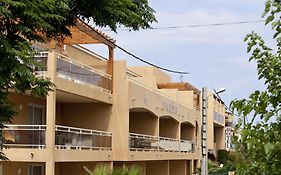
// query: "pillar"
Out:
[51,116]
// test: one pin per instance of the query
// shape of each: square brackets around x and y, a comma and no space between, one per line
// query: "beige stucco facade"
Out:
[104,112]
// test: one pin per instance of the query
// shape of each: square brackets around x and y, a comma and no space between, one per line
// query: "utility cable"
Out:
[149,63]
[176,27]
[196,25]
[228,108]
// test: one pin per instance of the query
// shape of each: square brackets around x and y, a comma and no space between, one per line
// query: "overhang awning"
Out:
[82,33]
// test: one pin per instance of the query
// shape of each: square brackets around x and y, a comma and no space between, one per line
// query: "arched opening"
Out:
[143,129]
[168,127]
[169,134]
[187,131]
[142,121]
[187,137]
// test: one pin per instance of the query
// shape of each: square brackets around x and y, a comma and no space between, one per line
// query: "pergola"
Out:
[82,33]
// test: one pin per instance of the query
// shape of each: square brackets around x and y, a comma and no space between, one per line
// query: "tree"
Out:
[259,141]
[23,22]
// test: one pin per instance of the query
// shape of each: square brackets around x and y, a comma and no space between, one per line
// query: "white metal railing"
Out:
[24,136]
[41,58]
[80,138]
[156,91]
[81,73]
[142,142]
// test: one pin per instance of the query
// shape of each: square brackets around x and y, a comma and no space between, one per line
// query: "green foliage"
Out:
[113,13]
[222,156]
[259,142]
[23,22]
[105,170]
[99,170]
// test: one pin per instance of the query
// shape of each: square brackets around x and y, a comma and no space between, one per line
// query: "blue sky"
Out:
[215,56]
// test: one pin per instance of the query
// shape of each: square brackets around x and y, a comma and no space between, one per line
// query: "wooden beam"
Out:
[93,33]
[110,63]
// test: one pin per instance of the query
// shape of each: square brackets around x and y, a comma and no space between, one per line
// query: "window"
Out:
[35,170]
[36,114]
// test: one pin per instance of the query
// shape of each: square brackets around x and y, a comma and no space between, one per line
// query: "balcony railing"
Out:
[24,136]
[41,58]
[141,142]
[81,73]
[158,92]
[82,139]
[73,70]
[218,118]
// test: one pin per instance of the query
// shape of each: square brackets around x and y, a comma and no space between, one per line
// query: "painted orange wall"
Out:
[86,115]
[142,123]
[23,100]
[168,128]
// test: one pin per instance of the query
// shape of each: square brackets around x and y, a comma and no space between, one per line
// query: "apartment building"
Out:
[215,125]
[99,115]
[104,112]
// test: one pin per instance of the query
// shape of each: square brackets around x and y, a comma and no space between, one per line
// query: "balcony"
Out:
[75,71]
[24,136]
[218,118]
[82,74]
[141,142]
[82,139]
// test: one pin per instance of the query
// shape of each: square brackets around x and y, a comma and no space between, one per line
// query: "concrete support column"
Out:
[119,121]
[51,116]
[188,167]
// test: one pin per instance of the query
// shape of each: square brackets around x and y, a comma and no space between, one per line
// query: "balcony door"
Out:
[35,170]
[36,116]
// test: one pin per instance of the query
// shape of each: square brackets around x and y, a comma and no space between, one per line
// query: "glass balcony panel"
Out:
[63,67]
[25,136]
[80,73]
[79,138]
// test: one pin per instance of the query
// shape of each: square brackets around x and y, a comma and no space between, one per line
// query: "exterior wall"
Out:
[159,75]
[143,123]
[188,167]
[77,168]
[177,167]
[216,124]
[168,128]
[86,115]
[187,131]
[119,122]
[21,103]
[157,168]
[13,168]
[220,137]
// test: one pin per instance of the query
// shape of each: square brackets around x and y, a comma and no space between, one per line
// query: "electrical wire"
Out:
[196,25]
[149,63]
[176,27]
[227,107]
